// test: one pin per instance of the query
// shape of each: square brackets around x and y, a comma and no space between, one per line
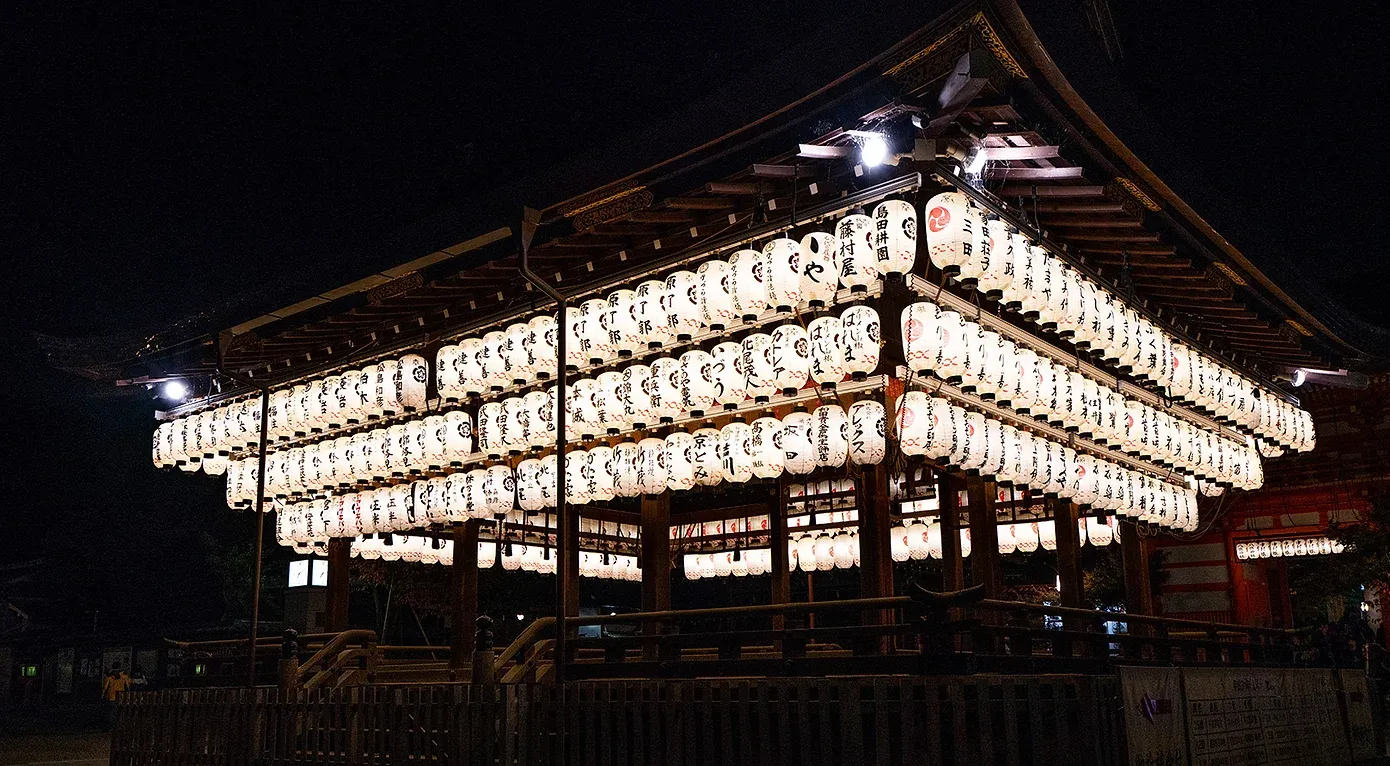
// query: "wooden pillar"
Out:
[875,524]
[463,592]
[656,561]
[339,557]
[984,536]
[777,527]
[1138,592]
[952,570]
[569,527]
[1068,553]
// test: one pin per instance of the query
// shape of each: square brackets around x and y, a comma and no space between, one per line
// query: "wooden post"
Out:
[339,557]
[875,558]
[656,563]
[952,570]
[984,536]
[1138,593]
[1069,573]
[777,527]
[464,592]
[569,525]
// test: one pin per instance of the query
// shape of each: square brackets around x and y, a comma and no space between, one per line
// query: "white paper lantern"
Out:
[528,485]
[782,269]
[797,445]
[747,269]
[665,389]
[698,387]
[921,337]
[820,268]
[765,443]
[867,427]
[683,304]
[638,388]
[608,402]
[953,360]
[704,455]
[730,378]
[716,296]
[514,422]
[997,271]
[895,237]
[538,425]
[830,435]
[600,474]
[858,260]
[826,335]
[680,466]
[625,470]
[759,367]
[736,452]
[791,360]
[652,474]
[859,341]
[624,336]
[954,230]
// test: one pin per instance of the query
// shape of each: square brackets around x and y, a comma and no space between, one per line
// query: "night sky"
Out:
[166,160]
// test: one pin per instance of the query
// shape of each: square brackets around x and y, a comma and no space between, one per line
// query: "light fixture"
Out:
[177,390]
[977,162]
[873,150]
[1299,377]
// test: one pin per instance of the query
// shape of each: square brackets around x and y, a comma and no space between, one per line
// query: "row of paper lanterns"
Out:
[717,294]
[385,389]
[615,401]
[921,539]
[1299,546]
[531,558]
[935,428]
[780,276]
[999,260]
[739,452]
[945,344]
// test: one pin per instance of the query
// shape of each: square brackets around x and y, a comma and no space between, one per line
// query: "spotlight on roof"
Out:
[873,150]
[175,390]
[977,162]
[1299,377]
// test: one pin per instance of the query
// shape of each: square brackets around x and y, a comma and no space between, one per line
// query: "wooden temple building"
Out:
[961,184]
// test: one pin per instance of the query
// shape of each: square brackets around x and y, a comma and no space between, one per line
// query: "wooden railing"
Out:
[931,634]
[949,636]
[937,720]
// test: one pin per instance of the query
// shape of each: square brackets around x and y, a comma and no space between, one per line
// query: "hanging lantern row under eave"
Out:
[982,252]
[996,369]
[935,428]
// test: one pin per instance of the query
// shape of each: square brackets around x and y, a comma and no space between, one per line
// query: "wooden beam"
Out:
[660,216]
[1138,593]
[1001,153]
[875,544]
[1069,573]
[700,203]
[1132,250]
[783,171]
[1026,191]
[984,536]
[1045,206]
[1032,174]
[1111,236]
[952,569]
[656,562]
[733,187]
[1076,222]
[463,592]
[962,85]
[777,530]
[339,559]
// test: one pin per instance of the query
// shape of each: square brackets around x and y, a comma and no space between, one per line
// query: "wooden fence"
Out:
[806,722]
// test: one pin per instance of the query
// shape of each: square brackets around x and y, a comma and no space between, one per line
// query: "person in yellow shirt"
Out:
[116,682]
